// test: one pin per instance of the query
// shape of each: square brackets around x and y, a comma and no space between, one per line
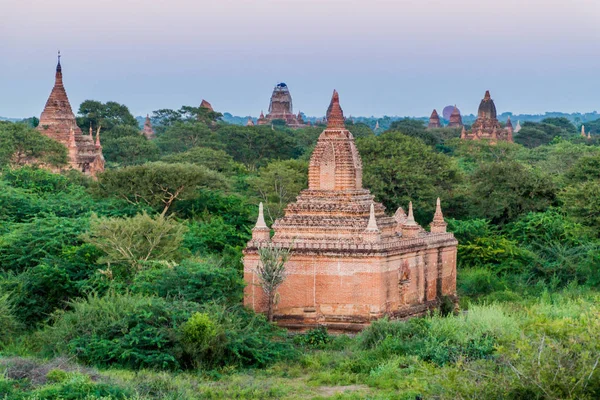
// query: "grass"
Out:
[543,348]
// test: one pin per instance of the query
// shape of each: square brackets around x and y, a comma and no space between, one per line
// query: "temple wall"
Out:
[334,288]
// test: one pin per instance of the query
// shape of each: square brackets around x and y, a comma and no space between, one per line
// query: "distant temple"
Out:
[350,263]
[58,122]
[434,120]
[486,126]
[148,131]
[280,108]
[455,119]
[518,127]
[206,104]
[249,122]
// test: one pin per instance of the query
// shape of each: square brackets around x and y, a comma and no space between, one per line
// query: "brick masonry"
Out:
[350,262]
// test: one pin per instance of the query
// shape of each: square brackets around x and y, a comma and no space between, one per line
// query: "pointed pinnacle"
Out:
[372,225]
[260,222]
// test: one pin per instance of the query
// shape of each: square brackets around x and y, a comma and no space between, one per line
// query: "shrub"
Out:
[37,292]
[480,281]
[9,326]
[201,282]
[127,330]
[317,337]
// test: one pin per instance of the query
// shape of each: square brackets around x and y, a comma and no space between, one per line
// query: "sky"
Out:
[394,57]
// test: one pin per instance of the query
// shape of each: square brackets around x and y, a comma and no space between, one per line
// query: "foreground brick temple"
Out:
[350,262]
[58,122]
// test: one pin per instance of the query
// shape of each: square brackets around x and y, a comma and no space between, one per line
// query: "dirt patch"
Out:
[36,370]
[333,390]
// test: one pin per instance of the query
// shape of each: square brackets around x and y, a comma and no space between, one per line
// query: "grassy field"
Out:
[538,348]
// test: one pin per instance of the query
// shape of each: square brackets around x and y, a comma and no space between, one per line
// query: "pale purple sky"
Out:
[384,57]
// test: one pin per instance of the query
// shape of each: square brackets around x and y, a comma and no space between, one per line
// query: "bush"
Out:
[37,292]
[473,282]
[200,282]
[127,330]
[317,338]
[9,325]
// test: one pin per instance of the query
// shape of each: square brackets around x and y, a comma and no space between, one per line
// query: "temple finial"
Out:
[438,225]
[98,145]
[410,220]
[260,221]
[487,95]
[335,115]
[583,130]
[91,135]
[372,225]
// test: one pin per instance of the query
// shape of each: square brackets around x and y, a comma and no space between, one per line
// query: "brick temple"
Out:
[434,120]
[58,122]
[350,262]
[486,126]
[281,108]
[148,131]
[455,119]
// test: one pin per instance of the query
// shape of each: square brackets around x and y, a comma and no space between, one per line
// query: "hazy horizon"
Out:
[384,57]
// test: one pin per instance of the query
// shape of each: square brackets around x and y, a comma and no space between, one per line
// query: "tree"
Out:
[562,122]
[254,145]
[21,145]
[182,136]
[217,160]
[133,241]
[359,129]
[130,150]
[271,272]
[582,201]
[107,115]
[157,184]
[399,169]
[502,191]
[278,184]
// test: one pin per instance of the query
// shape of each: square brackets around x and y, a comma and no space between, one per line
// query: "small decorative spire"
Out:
[463,133]
[58,66]
[438,225]
[98,145]
[372,225]
[91,133]
[583,130]
[589,136]
[335,115]
[410,220]
[487,95]
[260,222]
[249,122]
[261,231]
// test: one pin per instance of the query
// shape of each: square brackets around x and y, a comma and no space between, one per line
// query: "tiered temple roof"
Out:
[336,230]
[487,126]
[434,120]
[58,122]
[281,108]
[455,119]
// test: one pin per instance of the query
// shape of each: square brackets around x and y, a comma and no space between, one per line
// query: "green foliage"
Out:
[126,330]
[105,115]
[136,240]
[130,150]
[399,169]
[502,191]
[200,282]
[21,145]
[582,202]
[278,183]
[9,325]
[28,244]
[38,292]
[183,136]
[216,160]
[316,338]
[157,185]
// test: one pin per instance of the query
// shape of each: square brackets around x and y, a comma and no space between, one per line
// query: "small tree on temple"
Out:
[271,272]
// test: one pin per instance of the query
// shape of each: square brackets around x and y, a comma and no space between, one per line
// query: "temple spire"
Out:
[91,134]
[438,225]
[487,95]
[372,225]
[410,228]
[261,231]
[335,115]
[98,145]
[58,80]
[463,133]
[410,220]
[583,130]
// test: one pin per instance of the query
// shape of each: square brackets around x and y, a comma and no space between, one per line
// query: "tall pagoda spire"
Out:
[438,225]
[335,115]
